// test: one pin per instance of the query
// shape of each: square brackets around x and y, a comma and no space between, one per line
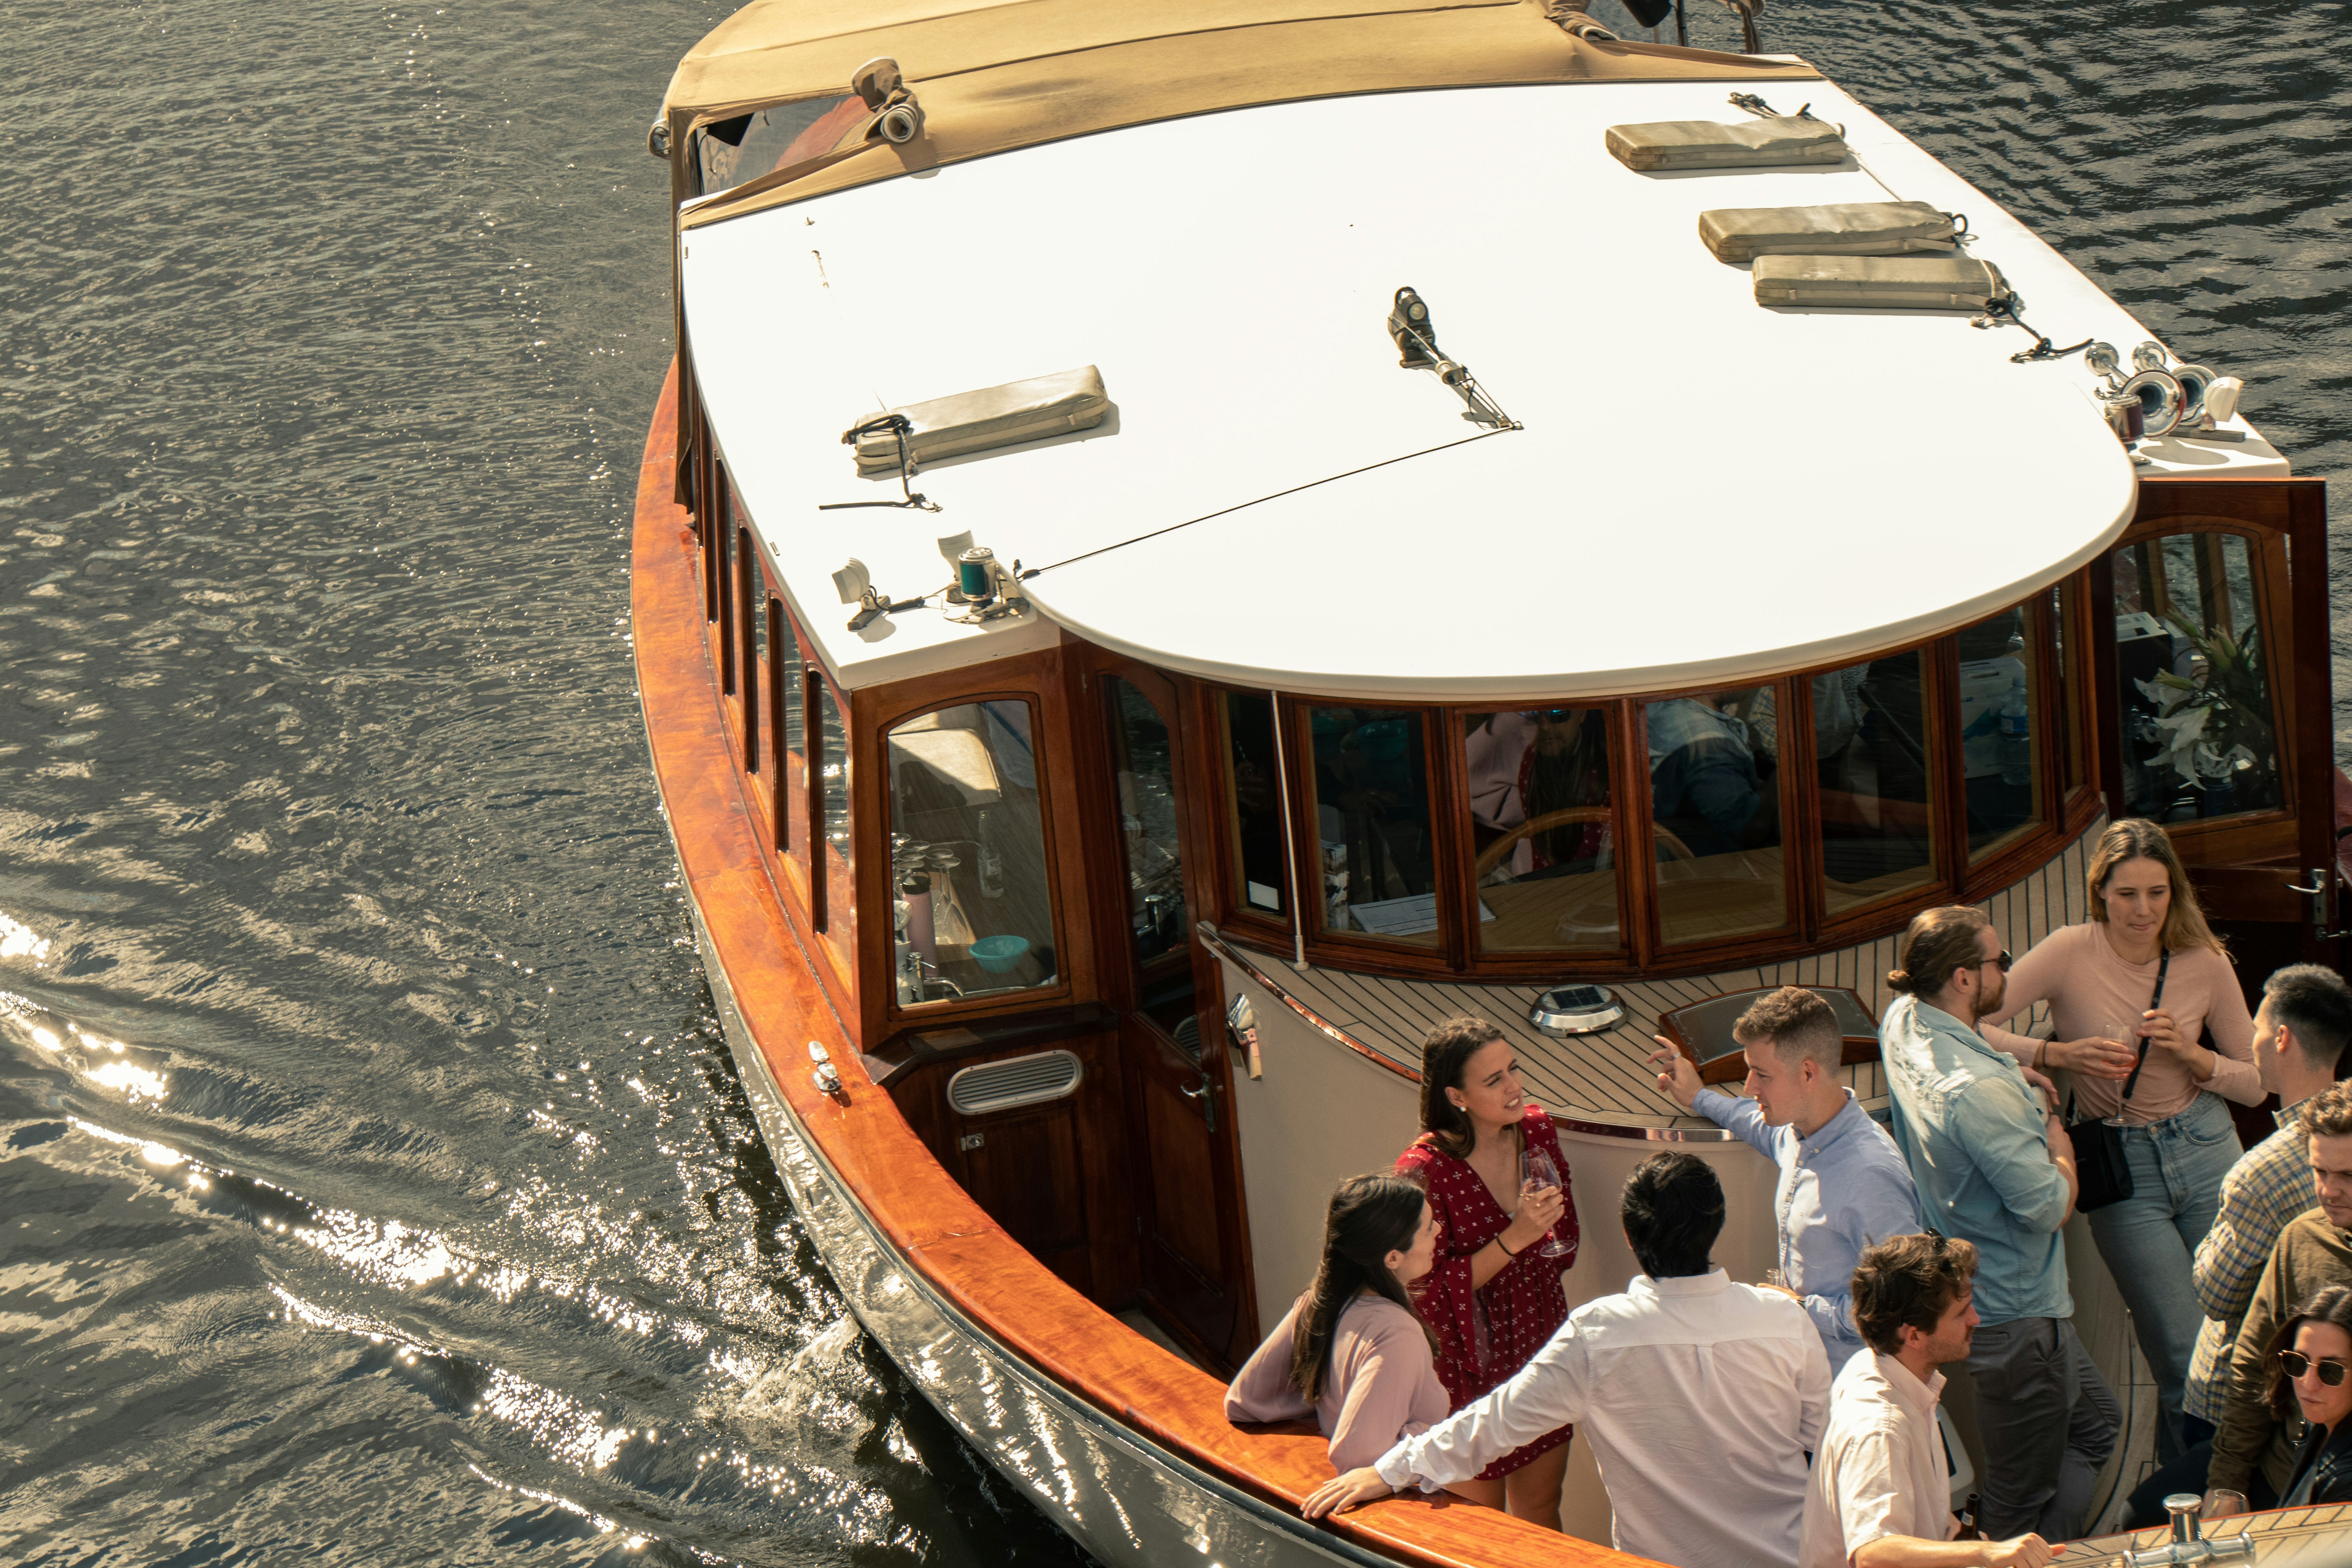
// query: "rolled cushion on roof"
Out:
[1710,144]
[1878,282]
[1847,228]
[996,416]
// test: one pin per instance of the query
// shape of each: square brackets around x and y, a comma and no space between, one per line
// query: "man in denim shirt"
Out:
[1843,1185]
[1994,1165]
[1703,781]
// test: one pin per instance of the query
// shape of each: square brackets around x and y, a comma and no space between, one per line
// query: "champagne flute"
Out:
[1536,1170]
[2123,1030]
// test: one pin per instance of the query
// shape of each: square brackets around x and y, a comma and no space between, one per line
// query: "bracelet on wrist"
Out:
[1506,1246]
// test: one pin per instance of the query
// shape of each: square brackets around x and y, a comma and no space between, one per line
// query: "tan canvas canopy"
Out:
[992,78]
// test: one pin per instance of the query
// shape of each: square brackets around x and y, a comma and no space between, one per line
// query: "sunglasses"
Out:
[2296,1364]
[2003,961]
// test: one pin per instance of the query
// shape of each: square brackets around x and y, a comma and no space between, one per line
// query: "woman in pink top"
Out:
[1350,1352]
[2100,980]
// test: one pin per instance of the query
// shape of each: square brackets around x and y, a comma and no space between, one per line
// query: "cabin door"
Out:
[1179,1092]
[2216,702]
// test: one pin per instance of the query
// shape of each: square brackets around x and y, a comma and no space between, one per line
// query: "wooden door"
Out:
[1185,1156]
[2218,600]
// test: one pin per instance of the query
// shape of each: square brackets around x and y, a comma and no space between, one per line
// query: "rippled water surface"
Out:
[374,1186]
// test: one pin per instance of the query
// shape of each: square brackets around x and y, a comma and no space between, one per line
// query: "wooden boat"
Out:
[1074,934]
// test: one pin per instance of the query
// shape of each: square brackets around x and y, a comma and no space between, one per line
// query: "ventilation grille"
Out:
[1023,1080]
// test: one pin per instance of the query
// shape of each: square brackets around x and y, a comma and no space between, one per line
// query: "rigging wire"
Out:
[1204,517]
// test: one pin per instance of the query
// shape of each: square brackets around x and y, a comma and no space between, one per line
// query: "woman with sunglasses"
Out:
[2131,991]
[2309,1357]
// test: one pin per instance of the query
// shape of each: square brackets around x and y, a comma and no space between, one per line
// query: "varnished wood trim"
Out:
[942,1236]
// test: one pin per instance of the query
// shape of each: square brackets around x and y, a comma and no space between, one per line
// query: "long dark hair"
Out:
[1370,1217]
[1445,1051]
[2332,1305]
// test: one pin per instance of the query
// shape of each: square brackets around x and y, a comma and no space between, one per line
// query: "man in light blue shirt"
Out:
[1843,1185]
[1995,1167]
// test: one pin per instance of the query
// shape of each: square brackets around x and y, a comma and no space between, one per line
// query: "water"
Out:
[372,1183]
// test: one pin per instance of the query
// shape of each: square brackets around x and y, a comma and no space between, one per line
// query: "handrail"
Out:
[1596,1123]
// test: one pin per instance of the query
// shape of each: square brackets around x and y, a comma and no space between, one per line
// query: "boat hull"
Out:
[1121,1497]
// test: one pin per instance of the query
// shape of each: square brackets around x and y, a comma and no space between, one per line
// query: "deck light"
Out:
[855,583]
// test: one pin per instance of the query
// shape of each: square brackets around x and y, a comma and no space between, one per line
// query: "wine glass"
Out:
[1536,1170]
[2223,1503]
[2123,1030]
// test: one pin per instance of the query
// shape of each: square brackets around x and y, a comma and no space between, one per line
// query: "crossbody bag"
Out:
[2102,1171]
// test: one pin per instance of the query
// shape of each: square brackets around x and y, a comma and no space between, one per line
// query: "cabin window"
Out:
[837,916]
[727,152]
[1143,771]
[2063,644]
[973,905]
[1715,817]
[1872,779]
[2192,673]
[1369,802]
[1255,806]
[786,717]
[2004,730]
[1543,829]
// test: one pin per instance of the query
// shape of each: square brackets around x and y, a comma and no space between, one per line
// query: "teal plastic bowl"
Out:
[998,955]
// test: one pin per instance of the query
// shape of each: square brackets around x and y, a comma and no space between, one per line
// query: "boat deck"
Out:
[1606,1077]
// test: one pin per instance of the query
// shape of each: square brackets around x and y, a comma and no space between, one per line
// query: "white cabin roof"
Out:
[1705,490]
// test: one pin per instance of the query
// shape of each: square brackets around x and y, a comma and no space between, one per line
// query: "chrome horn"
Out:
[2148,403]
[2196,382]
[2159,398]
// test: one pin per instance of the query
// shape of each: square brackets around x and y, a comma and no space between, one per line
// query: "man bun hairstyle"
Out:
[1445,1051]
[1673,1210]
[1794,1022]
[2316,1005]
[1910,1280]
[1936,942]
[2329,1113]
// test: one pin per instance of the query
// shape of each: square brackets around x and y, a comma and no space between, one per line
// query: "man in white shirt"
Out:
[1881,1494]
[1700,1397]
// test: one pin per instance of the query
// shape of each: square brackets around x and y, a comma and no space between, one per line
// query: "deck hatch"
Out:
[1023,1080]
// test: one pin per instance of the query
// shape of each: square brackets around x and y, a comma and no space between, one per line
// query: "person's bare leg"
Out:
[1532,1491]
[1486,1494]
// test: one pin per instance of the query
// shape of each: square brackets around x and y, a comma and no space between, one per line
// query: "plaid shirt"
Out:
[2268,1186]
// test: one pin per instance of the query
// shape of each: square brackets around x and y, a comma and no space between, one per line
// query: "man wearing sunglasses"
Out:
[1994,1167]
[2254,1451]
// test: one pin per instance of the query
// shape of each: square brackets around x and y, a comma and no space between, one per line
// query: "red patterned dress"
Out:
[1484,1336]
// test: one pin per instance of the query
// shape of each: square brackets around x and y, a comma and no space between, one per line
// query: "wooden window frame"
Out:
[2254,835]
[1535,962]
[2065,811]
[1041,680]
[1448,952]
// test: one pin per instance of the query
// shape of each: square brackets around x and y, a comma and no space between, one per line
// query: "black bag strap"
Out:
[2163,965]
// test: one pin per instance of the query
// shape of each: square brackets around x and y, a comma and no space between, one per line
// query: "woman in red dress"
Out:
[1492,1296]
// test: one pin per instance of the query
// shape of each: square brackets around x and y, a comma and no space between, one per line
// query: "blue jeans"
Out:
[2148,1242]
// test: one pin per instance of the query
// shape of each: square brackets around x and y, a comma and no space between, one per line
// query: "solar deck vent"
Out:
[1023,1080]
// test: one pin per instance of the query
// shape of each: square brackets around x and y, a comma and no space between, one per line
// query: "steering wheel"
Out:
[1492,856]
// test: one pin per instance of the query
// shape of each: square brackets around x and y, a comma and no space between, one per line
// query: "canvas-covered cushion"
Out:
[1844,229]
[1878,282]
[1708,145]
[994,416]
